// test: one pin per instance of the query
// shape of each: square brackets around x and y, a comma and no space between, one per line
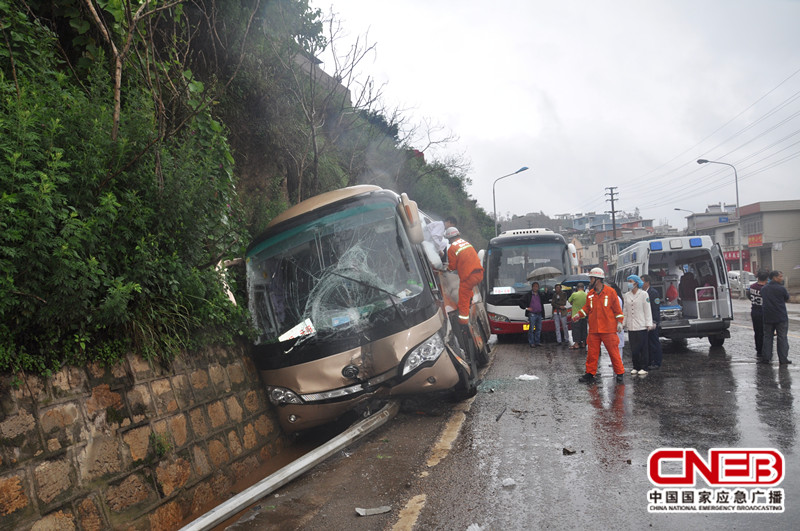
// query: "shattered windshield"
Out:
[339,274]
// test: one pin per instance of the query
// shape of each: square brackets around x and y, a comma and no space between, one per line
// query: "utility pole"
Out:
[612,195]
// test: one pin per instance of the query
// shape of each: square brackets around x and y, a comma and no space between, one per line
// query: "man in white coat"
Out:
[637,319]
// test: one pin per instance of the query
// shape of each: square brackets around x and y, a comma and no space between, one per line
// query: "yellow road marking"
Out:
[408,516]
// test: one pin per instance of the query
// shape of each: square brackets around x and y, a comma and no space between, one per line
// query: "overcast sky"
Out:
[591,94]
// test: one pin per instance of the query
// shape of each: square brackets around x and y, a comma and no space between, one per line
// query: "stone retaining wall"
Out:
[134,446]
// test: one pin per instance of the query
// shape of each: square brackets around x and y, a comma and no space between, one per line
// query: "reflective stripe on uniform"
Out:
[462,247]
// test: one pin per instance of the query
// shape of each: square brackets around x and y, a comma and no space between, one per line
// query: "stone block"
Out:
[219,378]
[222,483]
[183,391]
[199,422]
[141,368]
[234,409]
[132,492]
[236,375]
[15,500]
[99,458]
[167,517]
[8,402]
[250,439]
[218,453]
[114,375]
[62,423]
[31,390]
[265,427]
[57,521]
[54,479]
[216,414]
[103,398]
[201,385]
[173,474]
[90,516]
[203,499]
[164,396]
[178,429]
[141,403]
[69,381]
[252,402]
[234,443]
[138,442]
[19,436]
[200,459]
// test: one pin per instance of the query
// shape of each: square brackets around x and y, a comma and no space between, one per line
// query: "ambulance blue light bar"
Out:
[656,246]
[696,242]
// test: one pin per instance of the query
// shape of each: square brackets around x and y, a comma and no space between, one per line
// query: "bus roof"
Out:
[320,201]
[523,235]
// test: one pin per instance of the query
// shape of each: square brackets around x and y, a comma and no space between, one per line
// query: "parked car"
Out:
[735,279]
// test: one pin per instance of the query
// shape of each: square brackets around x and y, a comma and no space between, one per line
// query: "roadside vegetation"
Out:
[144,143]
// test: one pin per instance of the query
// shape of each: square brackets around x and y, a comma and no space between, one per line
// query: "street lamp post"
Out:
[687,223]
[494,201]
[738,214]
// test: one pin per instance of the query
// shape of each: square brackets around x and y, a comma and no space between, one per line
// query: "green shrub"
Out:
[105,246]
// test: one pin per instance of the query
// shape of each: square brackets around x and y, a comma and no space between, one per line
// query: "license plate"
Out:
[526,327]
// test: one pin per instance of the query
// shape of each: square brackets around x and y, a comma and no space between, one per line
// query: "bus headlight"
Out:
[280,396]
[499,318]
[428,352]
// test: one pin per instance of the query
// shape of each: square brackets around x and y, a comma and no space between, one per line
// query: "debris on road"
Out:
[568,451]
[501,413]
[508,482]
[527,377]
[373,511]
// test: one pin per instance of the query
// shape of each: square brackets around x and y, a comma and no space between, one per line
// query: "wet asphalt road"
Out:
[576,454]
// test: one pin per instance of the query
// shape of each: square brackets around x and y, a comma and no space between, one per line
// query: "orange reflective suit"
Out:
[603,313]
[462,258]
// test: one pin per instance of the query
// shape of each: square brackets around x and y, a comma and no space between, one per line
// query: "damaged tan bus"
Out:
[349,310]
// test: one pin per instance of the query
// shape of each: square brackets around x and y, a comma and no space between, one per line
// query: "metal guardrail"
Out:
[249,496]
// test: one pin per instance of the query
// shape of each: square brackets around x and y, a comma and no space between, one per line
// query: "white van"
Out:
[689,274]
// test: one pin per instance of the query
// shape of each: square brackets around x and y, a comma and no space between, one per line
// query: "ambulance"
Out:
[689,275]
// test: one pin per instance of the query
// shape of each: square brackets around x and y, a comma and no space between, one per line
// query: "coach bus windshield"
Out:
[509,266]
[350,273]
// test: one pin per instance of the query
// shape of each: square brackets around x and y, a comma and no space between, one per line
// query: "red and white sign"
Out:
[679,467]
[731,256]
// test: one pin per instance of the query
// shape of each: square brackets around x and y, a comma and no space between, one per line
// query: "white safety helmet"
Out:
[451,232]
[597,272]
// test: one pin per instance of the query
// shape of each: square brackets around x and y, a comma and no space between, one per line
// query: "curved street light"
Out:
[687,223]
[494,201]
[738,215]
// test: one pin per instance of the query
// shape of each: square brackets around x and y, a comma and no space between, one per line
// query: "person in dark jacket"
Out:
[776,320]
[756,313]
[533,304]
[653,342]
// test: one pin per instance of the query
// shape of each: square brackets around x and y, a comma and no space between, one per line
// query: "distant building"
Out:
[770,234]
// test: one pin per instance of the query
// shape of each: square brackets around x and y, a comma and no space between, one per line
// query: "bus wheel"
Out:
[716,341]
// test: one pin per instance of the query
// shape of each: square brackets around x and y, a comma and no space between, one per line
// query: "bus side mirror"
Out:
[409,213]
[573,255]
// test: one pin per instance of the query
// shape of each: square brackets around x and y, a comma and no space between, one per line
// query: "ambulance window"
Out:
[721,270]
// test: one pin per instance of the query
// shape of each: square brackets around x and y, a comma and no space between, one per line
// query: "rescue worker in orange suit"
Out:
[463,259]
[604,314]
